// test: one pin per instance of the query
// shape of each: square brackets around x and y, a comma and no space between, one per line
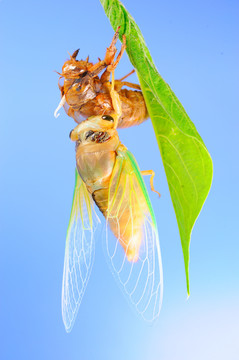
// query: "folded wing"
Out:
[134,250]
[79,252]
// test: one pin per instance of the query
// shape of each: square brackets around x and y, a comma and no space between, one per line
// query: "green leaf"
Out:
[187,163]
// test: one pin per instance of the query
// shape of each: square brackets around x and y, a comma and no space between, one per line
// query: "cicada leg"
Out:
[115,101]
[152,173]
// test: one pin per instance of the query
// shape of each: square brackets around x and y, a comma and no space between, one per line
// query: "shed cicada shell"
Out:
[84,93]
[108,175]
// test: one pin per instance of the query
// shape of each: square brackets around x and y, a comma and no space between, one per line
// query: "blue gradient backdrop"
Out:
[195,47]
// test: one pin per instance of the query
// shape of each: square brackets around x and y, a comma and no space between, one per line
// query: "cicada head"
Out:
[96,129]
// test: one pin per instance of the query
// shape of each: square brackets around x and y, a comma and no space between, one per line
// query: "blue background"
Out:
[195,47]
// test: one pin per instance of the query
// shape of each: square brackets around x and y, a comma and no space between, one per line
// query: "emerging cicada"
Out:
[84,94]
[108,175]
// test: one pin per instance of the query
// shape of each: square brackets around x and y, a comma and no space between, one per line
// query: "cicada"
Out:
[84,93]
[107,175]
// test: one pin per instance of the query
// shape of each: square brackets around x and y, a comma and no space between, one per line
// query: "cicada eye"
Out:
[74,136]
[84,74]
[108,118]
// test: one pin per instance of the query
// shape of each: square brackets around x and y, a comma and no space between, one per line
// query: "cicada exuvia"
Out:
[107,174]
[85,94]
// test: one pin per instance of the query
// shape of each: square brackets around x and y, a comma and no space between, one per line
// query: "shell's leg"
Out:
[113,66]
[152,173]
[124,77]
[119,84]
[111,50]
[105,77]
[109,57]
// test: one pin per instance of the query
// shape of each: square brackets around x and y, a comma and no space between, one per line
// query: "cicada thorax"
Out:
[96,155]
[96,146]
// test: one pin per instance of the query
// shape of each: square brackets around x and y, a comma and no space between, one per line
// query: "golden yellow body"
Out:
[97,147]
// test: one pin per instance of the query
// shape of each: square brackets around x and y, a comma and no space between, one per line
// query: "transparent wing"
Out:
[134,250]
[76,115]
[79,252]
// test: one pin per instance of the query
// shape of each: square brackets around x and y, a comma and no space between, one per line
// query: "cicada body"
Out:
[85,94]
[108,175]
